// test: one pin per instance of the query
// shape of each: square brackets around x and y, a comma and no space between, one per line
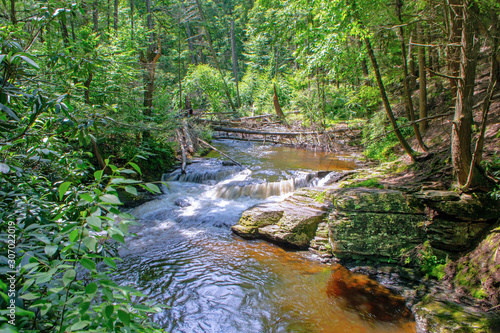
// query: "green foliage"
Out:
[378,144]
[60,214]
[206,88]
[430,264]
[370,183]
[367,100]
[492,166]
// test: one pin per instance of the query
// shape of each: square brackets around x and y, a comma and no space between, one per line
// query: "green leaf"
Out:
[110,198]
[63,188]
[86,197]
[30,296]
[91,288]
[94,221]
[9,112]
[110,262]
[124,317]
[24,313]
[136,167]
[119,238]
[108,311]
[90,243]
[79,325]
[98,175]
[132,190]
[43,239]
[84,306]
[50,250]
[73,236]
[87,263]
[29,61]
[69,276]
[153,188]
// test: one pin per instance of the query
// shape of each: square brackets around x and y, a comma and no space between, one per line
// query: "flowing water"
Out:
[185,256]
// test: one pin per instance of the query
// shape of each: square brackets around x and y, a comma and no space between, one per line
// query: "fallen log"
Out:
[247,131]
[217,150]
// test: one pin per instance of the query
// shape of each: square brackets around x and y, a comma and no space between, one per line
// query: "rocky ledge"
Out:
[392,226]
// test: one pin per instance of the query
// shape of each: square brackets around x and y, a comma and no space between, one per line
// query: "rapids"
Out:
[185,256]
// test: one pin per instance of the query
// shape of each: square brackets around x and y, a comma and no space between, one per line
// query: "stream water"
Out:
[185,256]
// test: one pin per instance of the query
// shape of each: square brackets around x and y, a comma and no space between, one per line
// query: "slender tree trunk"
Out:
[95,15]
[132,32]
[148,62]
[277,106]
[64,31]
[108,15]
[422,86]
[406,85]
[235,61]
[453,48]
[180,67]
[194,59]
[13,18]
[115,23]
[387,105]
[411,66]
[462,122]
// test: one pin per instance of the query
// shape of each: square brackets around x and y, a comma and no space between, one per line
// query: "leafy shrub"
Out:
[378,144]
[206,88]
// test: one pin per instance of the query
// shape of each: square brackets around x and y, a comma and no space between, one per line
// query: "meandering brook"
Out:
[186,257]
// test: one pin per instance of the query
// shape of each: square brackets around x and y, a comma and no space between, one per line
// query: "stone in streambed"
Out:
[292,222]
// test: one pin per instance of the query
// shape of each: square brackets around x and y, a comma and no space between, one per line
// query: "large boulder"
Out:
[375,223]
[292,222]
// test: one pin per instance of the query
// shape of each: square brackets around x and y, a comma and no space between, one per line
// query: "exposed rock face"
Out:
[292,222]
[375,223]
[371,223]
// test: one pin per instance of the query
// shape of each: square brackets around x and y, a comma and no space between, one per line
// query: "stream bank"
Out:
[444,234]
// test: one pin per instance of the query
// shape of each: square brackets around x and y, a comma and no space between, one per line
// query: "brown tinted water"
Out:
[213,281]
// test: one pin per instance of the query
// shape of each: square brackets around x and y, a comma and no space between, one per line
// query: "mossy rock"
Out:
[376,235]
[435,315]
[376,200]
[475,207]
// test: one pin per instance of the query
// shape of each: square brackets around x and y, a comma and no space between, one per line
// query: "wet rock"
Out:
[366,296]
[292,222]
[182,202]
[257,216]
[435,314]
[454,236]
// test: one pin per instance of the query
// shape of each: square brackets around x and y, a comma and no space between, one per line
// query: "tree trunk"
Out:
[95,15]
[235,62]
[13,12]
[387,105]
[277,106]
[115,23]
[409,102]
[453,48]
[194,59]
[64,31]
[411,66]
[462,122]
[422,86]
[148,62]
[132,33]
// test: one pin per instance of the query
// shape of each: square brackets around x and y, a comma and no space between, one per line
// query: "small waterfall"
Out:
[203,172]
